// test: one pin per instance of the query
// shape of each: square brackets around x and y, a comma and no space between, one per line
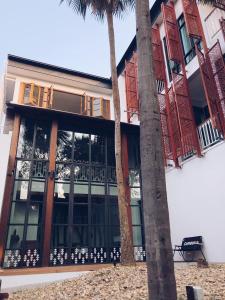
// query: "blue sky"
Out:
[44,31]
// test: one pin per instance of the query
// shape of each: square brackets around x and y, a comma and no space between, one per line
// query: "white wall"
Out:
[196,198]
[5,140]
[123,101]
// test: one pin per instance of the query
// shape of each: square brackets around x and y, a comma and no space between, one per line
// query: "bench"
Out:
[189,247]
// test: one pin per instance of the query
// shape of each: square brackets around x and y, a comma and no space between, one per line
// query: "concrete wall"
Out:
[196,198]
[5,140]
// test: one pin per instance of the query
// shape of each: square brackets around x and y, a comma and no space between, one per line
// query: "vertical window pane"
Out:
[80,236]
[80,214]
[97,149]
[25,144]
[26,98]
[42,141]
[20,192]
[15,236]
[81,147]
[114,236]
[59,236]
[39,169]
[60,213]
[62,191]
[35,213]
[63,172]
[110,152]
[97,236]
[137,236]
[64,145]
[37,190]
[33,234]
[97,210]
[18,212]
[136,215]
[23,169]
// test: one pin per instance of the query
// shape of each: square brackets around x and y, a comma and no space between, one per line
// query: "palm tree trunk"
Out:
[127,254]
[161,278]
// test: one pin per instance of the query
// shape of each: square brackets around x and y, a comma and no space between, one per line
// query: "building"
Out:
[59,203]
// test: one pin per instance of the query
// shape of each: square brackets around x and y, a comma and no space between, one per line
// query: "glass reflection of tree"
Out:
[98,149]
[25,144]
[81,147]
[42,142]
[64,145]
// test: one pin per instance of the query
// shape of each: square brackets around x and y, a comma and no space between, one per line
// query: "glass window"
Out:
[135,193]
[114,236]
[23,169]
[37,190]
[136,215]
[113,191]
[15,236]
[60,213]
[64,145]
[33,234]
[42,141]
[25,143]
[97,236]
[62,191]
[35,213]
[80,214]
[134,178]
[97,149]
[20,192]
[18,213]
[81,147]
[98,190]
[98,210]
[110,152]
[137,236]
[59,236]
[79,236]
[81,188]
[39,169]
[114,213]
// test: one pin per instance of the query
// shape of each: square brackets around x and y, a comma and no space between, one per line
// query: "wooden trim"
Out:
[49,197]
[21,93]
[125,165]
[8,186]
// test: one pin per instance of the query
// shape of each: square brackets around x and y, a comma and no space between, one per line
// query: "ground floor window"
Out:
[85,216]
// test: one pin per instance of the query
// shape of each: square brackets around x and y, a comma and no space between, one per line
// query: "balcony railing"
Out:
[208,135]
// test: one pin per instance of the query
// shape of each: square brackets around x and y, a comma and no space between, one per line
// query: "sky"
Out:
[45,31]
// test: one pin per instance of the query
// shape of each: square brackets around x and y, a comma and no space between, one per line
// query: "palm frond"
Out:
[79,6]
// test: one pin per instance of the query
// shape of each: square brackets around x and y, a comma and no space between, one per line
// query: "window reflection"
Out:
[81,147]
[23,169]
[97,149]
[42,141]
[64,145]
[15,236]
[25,144]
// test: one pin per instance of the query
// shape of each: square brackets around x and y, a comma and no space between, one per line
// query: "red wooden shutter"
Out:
[214,57]
[209,89]
[187,126]
[189,137]
[219,4]
[163,99]
[176,137]
[158,59]
[131,87]
[192,19]
[172,33]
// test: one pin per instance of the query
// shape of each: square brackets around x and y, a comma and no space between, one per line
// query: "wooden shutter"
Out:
[106,109]
[192,19]
[169,146]
[131,87]
[219,4]
[187,127]
[172,33]
[209,89]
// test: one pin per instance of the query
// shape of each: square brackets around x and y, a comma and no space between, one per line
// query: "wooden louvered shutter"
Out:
[172,33]
[131,87]
[187,126]
[212,71]
[215,58]
[169,146]
[192,19]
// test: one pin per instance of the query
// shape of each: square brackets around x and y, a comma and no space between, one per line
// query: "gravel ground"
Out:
[123,283]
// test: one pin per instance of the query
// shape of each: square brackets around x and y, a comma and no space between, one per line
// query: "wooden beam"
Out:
[49,197]
[8,186]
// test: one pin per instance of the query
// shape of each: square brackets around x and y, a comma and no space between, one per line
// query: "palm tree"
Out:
[161,278]
[108,9]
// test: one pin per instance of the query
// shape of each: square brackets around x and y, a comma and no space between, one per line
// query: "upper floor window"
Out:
[46,97]
[188,43]
[36,95]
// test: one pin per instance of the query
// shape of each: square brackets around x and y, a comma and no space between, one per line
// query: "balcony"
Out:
[208,136]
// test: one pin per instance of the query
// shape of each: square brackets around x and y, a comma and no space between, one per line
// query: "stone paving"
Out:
[123,283]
